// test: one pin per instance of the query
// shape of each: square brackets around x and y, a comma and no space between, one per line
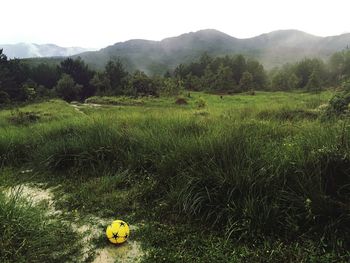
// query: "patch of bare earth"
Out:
[90,228]
[128,252]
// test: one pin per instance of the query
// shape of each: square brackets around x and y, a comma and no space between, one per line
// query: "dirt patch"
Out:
[38,194]
[90,228]
[93,105]
[181,101]
[130,251]
[77,108]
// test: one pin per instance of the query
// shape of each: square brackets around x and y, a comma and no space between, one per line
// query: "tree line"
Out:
[73,79]
[238,74]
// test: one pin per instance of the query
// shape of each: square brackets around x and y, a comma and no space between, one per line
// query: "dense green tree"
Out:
[67,89]
[246,83]
[221,73]
[314,83]
[258,74]
[45,74]
[142,85]
[238,66]
[80,73]
[5,77]
[304,69]
[4,97]
[223,79]
[102,84]
[13,73]
[339,65]
[117,75]
[171,87]
[284,78]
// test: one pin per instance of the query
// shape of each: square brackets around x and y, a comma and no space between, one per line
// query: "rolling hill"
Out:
[272,49]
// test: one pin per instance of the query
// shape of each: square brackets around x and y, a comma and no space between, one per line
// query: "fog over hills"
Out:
[272,49]
[29,50]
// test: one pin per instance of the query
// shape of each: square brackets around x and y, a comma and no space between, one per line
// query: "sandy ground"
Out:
[89,228]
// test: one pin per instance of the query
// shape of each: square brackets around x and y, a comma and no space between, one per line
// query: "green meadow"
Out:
[260,177]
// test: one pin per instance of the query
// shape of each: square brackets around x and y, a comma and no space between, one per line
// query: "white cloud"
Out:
[97,23]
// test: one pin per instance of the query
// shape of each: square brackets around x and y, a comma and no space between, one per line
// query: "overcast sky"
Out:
[98,23]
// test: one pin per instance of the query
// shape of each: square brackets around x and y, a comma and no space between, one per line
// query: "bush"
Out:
[200,103]
[339,104]
[23,117]
[122,101]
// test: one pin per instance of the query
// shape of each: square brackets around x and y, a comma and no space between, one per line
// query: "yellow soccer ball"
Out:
[118,232]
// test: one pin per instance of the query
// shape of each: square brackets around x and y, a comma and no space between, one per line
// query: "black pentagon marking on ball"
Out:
[126,236]
[122,224]
[115,236]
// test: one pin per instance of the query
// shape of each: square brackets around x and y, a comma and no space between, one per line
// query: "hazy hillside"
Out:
[272,49]
[28,50]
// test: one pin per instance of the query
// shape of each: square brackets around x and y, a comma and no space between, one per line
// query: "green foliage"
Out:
[222,74]
[171,87]
[80,73]
[284,79]
[200,102]
[314,83]
[18,117]
[212,74]
[67,89]
[142,85]
[309,74]
[339,65]
[310,67]
[45,74]
[339,104]
[102,84]
[4,97]
[12,75]
[29,90]
[117,76]
[246,81]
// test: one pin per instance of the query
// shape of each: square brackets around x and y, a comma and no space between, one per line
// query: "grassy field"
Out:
[242,178]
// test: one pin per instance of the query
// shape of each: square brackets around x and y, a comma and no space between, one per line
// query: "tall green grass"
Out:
[249,168]
[29,234]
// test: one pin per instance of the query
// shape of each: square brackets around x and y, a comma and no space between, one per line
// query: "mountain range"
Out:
[29,50]
[271,49]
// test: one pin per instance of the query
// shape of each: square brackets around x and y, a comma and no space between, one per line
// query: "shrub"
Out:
[201,103]
[339,104]
[23,117]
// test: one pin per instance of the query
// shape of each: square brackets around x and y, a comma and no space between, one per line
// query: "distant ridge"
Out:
[29,50]
[155,57]
[272,49]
